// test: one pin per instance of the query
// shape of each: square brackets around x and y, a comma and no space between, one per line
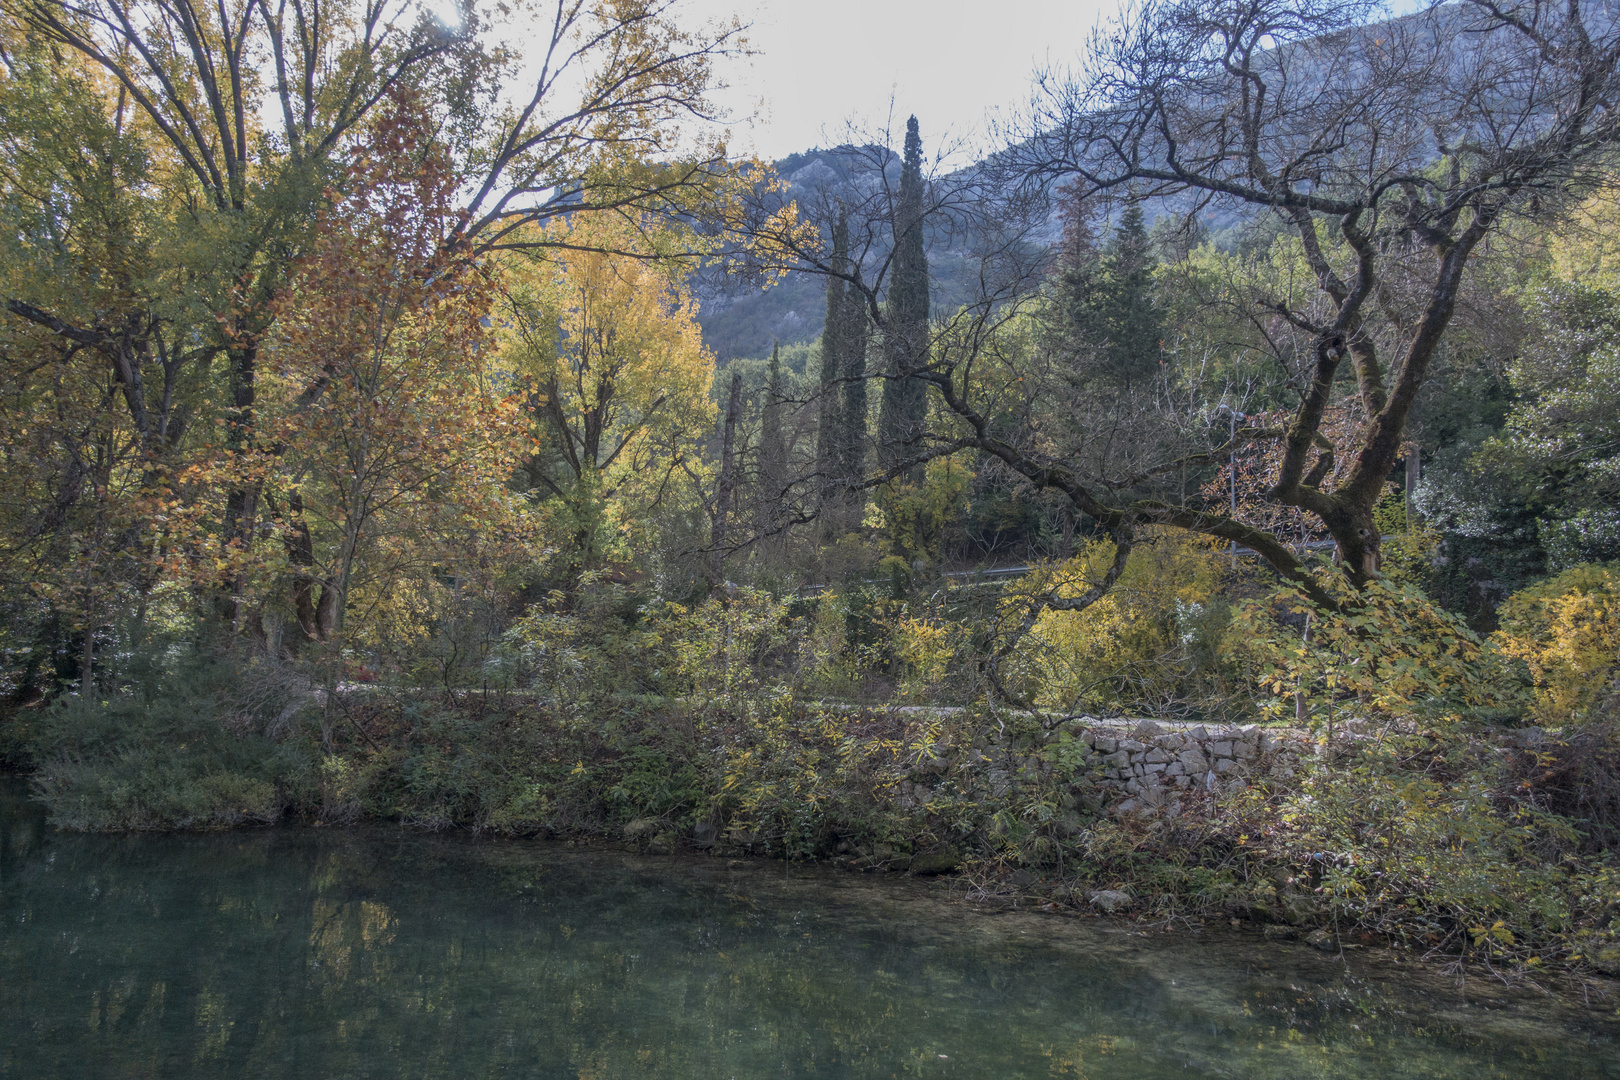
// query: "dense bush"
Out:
[1386,651]
[1440,857]
[1567,631]
[1149,643]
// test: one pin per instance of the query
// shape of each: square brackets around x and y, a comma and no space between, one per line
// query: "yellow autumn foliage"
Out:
[1567,631]
[1587,248]
[611,355]
[1384,650]
[1130,646]
[927,648]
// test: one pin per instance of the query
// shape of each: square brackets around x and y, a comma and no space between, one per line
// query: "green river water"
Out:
[384,953]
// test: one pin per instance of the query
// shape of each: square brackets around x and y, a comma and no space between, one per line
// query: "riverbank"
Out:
[1453,846]
[341,951]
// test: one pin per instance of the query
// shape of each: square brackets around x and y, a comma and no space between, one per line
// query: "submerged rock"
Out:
[1322,941]
[935,862]
[1109,901]
[642,828]
[1296,908]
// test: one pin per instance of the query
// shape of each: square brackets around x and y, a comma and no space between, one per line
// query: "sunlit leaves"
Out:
[394,432]
[1567,631]
[1386,650]
[607,350]
[1137,643]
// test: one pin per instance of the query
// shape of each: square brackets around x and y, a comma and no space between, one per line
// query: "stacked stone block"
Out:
[1146,766]
[1125,766]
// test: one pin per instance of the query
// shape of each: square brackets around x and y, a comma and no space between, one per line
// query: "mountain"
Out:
[740,320]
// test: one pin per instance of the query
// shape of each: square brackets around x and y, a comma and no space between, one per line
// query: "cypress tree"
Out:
[830,422]
[852,441]
[841,420]
[772,443]
[905,337]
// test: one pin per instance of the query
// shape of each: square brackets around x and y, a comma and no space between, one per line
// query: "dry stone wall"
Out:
[1147,765]
[1120,767]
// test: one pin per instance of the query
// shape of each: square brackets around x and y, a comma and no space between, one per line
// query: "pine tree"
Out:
[1130,322]
[1078,268]
[1105,320]
[905,335]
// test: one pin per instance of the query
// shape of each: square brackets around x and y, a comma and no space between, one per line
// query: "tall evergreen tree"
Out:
[841,421]
[905,335]
[772,443]
[830,423]
[1130,324]
[1078,268]
[852,413]
[1107,321]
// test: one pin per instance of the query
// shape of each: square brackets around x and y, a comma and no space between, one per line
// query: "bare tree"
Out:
[1393,150]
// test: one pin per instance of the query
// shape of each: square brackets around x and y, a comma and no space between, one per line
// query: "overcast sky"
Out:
[948,61]
[951,62]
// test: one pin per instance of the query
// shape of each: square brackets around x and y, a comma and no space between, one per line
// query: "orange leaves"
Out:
[388,426]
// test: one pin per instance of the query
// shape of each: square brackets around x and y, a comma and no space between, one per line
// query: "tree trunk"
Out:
[301,555]
[242,503]
[88,657]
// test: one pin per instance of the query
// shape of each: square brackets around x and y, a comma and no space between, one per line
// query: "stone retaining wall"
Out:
[1144,767]
[1125,766]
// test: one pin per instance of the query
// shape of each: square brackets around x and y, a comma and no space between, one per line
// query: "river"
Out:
[380,952]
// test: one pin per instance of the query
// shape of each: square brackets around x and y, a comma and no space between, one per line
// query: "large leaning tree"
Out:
[1392,150]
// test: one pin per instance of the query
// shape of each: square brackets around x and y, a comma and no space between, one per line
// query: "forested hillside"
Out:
[391,431]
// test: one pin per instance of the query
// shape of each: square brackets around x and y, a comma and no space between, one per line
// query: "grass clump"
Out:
[201,747]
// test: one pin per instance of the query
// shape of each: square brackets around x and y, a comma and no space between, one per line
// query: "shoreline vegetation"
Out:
[362,455]
[1458,844]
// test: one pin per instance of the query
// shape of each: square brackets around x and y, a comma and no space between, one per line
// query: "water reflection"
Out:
[295,953]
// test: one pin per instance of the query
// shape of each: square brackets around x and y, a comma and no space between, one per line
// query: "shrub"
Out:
[917,516]
[928,650]
[1386,650]
[1567,631]
[588,646]
[730,644]
[829,663]
[1577,775]
[186,750]
[1138,645]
